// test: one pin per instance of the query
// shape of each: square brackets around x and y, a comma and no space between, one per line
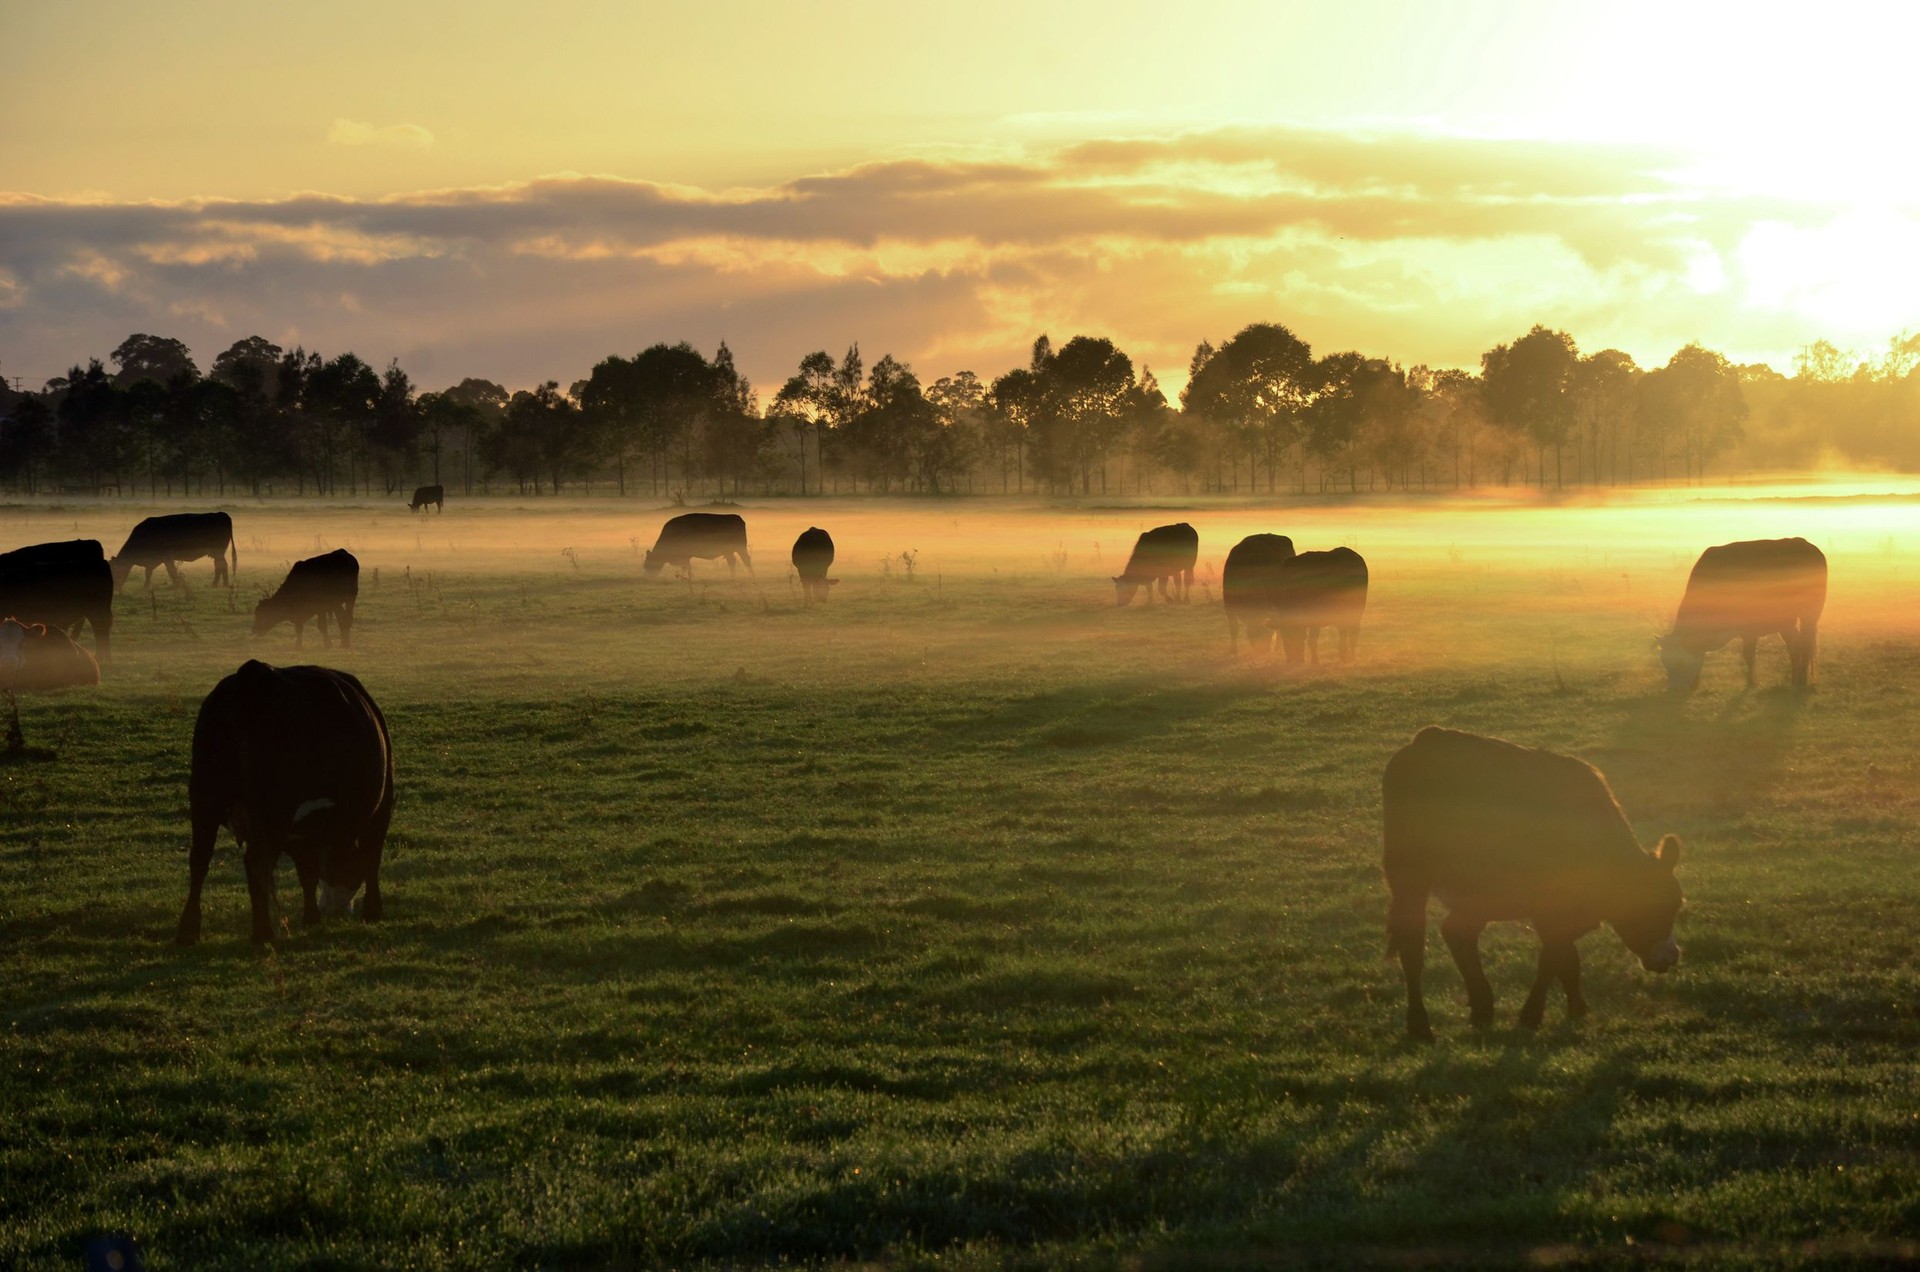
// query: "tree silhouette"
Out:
[1526,390]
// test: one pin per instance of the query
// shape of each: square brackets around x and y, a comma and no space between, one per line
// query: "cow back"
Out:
[1754,585]
[1163,550]
[1251,575]
[813,553]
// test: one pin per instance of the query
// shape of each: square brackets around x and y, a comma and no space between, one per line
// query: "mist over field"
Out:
[964,918]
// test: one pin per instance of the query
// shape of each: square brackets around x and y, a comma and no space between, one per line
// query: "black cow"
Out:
[178,536]
[1250,587]
[812,558]
[1498,831]
[315,588]
[1160,554]
[424,495]
[699,534]
[1748,589]
[61,585]
[292,760]
[1321,589]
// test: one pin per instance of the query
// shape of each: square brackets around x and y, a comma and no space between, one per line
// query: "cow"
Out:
[812,558]
[315,588]
[1320,589]
[699,534]
[62,585]
[1498,831]
[1748,589]
[35,657]
[1159,554]
[178,536]
[1250,587]
[292,760]
[424,495]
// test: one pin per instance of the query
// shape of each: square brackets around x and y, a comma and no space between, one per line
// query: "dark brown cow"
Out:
[1321,589]
[424,495]
[1498,831]
[292,760]
[1748,589]
[175,537]
[1250,588]
[34,657]
[700,534]
[62,585]
[1160,554]
[316,588]
[812,558]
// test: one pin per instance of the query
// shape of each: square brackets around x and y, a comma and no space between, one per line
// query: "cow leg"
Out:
[307,866]
[1313,645]
[299,633]
[729,565]
[344,616]
[320,621]
[1803,651]
[746,558]
[1570,981]
[1233,635]
[1554,952]
[1462,935]
[1748,645]
[260,860]
[149,578]
[206,829]
[1349,640]
[173,573]
[1407,936]
[373,842]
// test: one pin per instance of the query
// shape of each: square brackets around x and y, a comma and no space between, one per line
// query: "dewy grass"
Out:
[968,920]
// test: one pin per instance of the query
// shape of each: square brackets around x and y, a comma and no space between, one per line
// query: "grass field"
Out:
[966,920]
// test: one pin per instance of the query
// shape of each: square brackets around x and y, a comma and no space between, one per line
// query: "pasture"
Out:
[965,920]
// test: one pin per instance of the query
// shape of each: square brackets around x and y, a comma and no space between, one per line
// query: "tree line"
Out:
[1260,414]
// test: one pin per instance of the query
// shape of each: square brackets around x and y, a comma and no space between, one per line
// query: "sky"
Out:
[515,192]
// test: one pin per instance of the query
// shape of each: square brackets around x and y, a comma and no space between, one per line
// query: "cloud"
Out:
[1426,249]
[352,132]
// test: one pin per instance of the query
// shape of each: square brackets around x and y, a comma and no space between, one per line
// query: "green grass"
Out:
[966,921]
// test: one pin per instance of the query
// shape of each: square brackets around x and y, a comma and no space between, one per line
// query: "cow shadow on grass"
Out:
[1698,765]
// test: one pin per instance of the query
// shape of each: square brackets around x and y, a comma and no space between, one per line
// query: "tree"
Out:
[249,365]
[157,358]
[488,403]
[93,414]
[543,434]
[340,401]
[26,443]
[1256,387]
[1083,390]
[1525,384]
[805,404]
[1695,401]
[1601,396]
[394,432]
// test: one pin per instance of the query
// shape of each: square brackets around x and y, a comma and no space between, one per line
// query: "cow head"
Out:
[1123,589]
[335,901]
[121,568]
[650,565]
[1647,928]
[1682,664]
[265,615]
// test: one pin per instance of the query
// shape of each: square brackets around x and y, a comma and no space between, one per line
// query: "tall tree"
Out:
[1256,387]
[157,358]
[1525,384]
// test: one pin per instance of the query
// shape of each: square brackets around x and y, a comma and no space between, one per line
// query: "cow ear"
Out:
[1669,851]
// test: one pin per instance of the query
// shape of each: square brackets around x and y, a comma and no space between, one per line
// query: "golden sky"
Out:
[515,191]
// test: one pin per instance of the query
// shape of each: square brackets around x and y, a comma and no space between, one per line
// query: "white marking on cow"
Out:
[309,808]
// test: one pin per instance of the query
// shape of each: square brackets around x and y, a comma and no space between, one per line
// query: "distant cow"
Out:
[1498,831]
[292,760]
[1250,587]
[1159,554]
[178,536]
[34,657]
[700,534]
[1748,589]
[424,495]
[1321,589]
[812,558]
[315,588]
[62,585]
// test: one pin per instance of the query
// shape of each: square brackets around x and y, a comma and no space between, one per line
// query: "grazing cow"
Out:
[700,534]
[314,588]
[1321,589]
[292,760]
[424,495]
[62,585]
[1160,554]
[35,657]
[812,558]
[1748,589]
[178,536]
[1498,831]
[1250,587]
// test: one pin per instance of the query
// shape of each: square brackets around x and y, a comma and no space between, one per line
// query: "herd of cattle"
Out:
[296,761]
